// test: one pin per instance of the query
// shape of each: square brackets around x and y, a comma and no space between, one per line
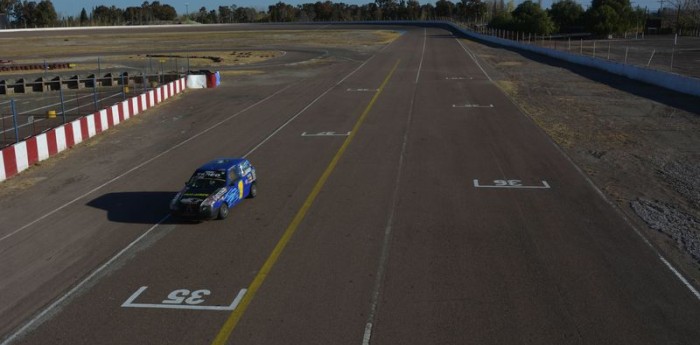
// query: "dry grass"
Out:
[560,132]
[169,60]
[233,48]
[241,72]
[510,63]
[508,87]
[102,44]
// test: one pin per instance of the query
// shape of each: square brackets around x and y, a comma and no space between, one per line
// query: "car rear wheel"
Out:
[223,211]
[253,190]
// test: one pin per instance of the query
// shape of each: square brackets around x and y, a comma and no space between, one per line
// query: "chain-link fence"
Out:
[28,114]
[38,96]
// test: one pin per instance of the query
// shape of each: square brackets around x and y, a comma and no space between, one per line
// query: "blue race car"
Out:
[214,188]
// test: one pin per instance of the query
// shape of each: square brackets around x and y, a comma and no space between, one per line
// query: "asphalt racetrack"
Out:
[403,199]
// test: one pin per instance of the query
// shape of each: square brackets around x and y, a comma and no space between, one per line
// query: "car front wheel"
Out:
[253,190]
[223,211]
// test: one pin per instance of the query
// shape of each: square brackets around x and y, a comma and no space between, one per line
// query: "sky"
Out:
[73,7]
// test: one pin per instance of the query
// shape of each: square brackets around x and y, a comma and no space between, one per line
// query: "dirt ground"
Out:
[639,144]
[225,50]
[52,48]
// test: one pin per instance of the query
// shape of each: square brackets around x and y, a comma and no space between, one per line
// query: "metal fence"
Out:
[26,115]
[670,53]
[34,101]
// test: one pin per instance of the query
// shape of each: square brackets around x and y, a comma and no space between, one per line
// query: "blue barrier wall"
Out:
[671,81]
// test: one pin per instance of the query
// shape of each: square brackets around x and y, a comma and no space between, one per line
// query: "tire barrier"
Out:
[35,66]
[76,82]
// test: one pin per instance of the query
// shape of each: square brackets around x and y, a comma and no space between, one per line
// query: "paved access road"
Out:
[435,212]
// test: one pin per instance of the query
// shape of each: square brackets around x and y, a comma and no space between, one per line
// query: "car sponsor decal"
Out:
[231,196]
[219,194]
[212,174]
[240,189]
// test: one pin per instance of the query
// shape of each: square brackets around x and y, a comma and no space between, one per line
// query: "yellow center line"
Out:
[237,313]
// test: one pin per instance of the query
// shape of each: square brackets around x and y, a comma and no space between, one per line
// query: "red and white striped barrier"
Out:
[18,157]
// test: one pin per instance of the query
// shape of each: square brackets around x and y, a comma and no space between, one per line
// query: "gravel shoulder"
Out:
[639,144]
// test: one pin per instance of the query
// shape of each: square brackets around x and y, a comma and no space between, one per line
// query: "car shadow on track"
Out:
[135,207]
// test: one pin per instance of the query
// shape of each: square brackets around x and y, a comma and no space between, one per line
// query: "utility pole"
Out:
[661,13]
[678,19]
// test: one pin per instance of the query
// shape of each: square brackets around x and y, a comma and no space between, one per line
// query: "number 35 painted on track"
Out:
[507,182]
[180,296]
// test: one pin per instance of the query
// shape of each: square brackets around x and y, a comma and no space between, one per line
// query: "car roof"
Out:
[221,164]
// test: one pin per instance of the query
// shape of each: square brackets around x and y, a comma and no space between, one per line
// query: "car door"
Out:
[235,189]
[248,175]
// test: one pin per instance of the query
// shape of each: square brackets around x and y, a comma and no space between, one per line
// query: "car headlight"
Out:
[208,202]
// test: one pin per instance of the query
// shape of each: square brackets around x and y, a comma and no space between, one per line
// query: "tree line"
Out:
[602,17]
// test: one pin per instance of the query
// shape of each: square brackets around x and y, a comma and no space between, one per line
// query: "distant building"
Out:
[653,25]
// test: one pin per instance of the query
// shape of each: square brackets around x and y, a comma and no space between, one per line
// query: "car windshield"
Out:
[206,183]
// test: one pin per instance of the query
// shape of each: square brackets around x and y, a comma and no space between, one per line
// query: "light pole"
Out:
[161,70]
[187,10]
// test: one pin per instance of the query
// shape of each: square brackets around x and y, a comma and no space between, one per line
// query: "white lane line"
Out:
[680,277]
[386,242]
[48,214]
[673,270]
[80,285]
[306,107]
[422,54]
[473,57]
[51,307]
